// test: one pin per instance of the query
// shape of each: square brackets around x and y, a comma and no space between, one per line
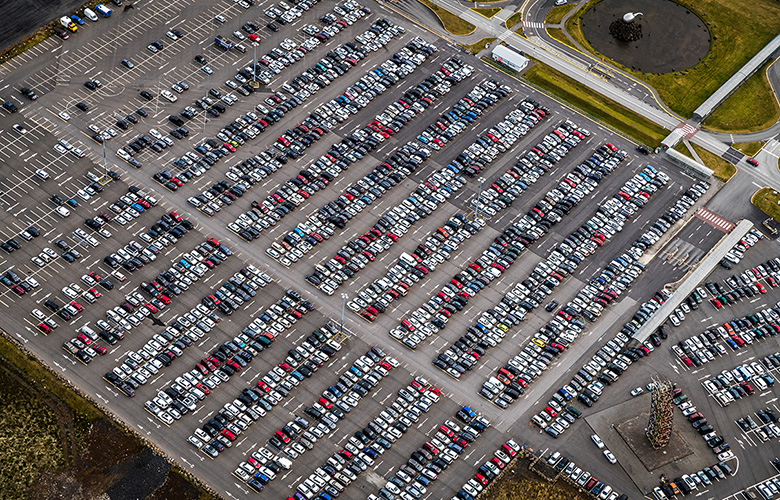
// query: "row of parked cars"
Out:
[746,284]
[488,471]
[254,403]
[169,344]
[368,445]
[768,428]
[357,253]
[295,438]
[583,478]
[364,192]
[716,442]
[744,380]
[292,94]
[321,172]
[493,325]
[291,144]
[702,348]
[227,359]
[618,353]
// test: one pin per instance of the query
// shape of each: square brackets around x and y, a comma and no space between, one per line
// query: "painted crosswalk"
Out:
[534,25]
[715,220]
[687,130]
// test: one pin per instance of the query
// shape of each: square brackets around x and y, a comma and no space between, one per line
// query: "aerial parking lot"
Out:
[309,250]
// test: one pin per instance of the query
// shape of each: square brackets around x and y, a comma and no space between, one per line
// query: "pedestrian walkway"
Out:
[715,220]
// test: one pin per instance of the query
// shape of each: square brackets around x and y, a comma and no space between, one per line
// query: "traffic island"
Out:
[766,199]
[453,24]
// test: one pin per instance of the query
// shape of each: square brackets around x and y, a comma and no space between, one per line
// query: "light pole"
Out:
[105,161]
[344,298]
[479,195]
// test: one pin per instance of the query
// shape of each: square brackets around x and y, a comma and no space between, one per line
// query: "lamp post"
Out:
[105,161]
[344,298]
[479,195]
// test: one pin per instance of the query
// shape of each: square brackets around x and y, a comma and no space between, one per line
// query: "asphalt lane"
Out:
[25,200]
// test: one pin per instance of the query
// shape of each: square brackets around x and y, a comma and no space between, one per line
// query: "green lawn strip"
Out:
[488,13]
[595,105]
[476,47]
[452,23]
[721,168]
[513,20]
[499,66]
[752,107]
[36,372]
[556,14]
[765,199]
[733,44]
[749,148]
[559,35]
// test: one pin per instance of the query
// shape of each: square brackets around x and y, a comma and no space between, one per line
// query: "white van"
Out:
[90,14]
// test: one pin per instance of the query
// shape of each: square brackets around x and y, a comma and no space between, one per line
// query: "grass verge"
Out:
[752,107]
[732,46]
[488,13]
[723,170]
[765,199]
[452,23]
[749,148]
[559,35]
[556,14]
[513,20]
[499,66]
[518,483]
[595,105]
[476,47]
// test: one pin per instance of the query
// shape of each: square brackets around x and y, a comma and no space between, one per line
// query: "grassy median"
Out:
[519,483]
[738,29]
[752,107]
[477,47]
[765,199]
[513,20]
[722,169]
[451,23]
[556,14]
[595,105]
[559,35]
[749,148]
[488,13]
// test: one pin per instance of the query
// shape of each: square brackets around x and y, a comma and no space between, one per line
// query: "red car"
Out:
[43,327]
[281,435]
[752,161]
[229,435]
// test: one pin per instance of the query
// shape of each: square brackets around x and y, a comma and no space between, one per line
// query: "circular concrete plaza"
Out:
[673,37]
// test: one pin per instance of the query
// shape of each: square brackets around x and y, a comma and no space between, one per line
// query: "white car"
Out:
[65,116]
[596,439]
[62,211]
[169,95]
[69,292]
[220,18]
[637,391]
[610,456]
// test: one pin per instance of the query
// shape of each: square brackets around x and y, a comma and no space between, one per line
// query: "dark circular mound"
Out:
[667,37]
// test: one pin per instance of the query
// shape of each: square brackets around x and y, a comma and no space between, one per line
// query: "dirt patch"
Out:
[55,445]
[175,487]
[519,483]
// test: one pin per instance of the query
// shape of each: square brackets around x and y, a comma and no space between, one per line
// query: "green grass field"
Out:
[765,199]
[513,20]
[721,168]
[452,23]
[559,35]
[557,14]
[739,29]
[751,107]
[477,47]
[749,148]
[595,105]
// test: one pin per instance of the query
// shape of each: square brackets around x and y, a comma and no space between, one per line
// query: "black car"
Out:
[82,106]
[146,95]
[28,93]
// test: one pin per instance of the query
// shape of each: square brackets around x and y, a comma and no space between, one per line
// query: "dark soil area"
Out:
[23,17]
[56,450]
